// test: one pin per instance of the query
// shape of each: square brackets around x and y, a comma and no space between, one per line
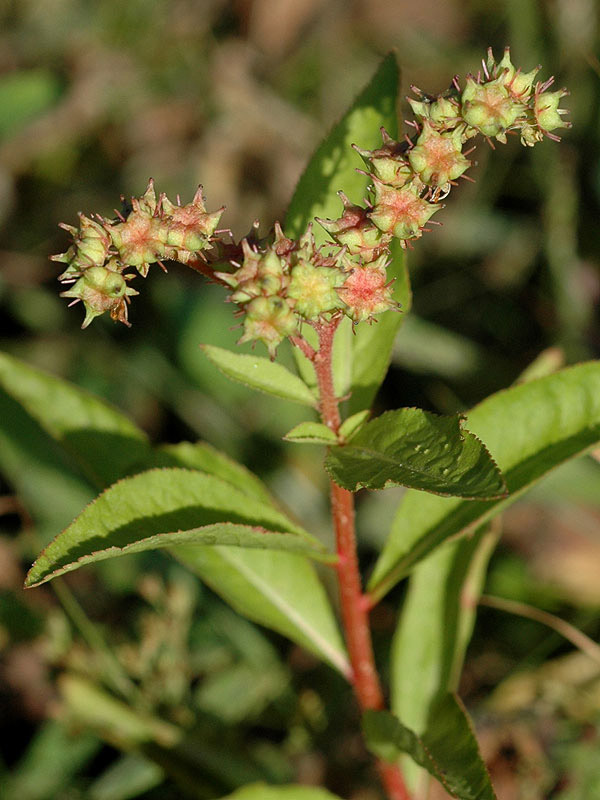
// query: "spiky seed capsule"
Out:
[140,241]
[366,291]
[519,84]
[400,212]
[355,231]
[313,289]
[388,162]
[489,108]
[189,227]
[91,245]
[101,289]
[548,115]
[437,157]
[269,320]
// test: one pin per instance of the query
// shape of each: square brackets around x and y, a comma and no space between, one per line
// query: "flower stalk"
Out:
[354,604]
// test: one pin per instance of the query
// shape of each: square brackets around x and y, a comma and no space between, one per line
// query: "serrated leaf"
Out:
[165,508]
[448,749]
[262,791]
[311,433]
[260,373]
[411,447]
[530,428]
[276,589]
[102,441]
[438,615]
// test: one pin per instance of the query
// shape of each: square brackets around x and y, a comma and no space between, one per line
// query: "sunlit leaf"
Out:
[311,433]
[529,429]
[260,373]
[206,458]
[164,508]
[414,448]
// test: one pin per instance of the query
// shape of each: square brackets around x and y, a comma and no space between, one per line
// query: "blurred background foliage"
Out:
[131,679]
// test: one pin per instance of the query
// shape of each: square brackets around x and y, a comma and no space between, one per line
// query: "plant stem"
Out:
[561,626]
[354,605]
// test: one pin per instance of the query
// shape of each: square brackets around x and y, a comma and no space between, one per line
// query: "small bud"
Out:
[102,289]
[355,231]
[91,246]
[269,320]
[548,115]
[147,203]
[437,158]
[261,273]
[442,112]
[388,162]
[401,212]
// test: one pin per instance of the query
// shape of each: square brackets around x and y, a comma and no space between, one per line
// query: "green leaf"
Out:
[129,777]
[100,439]
[311,433]
[54,756]
[260,373]
[206,458]
[372,344]
[437,619]
[447,750]
[435,627]
[261,791]
[350,425]
[333,168]
[38,469]
[165,508]
[276,589]
[414,448]
[530,429]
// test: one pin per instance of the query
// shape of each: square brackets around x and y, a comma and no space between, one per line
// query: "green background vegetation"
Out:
[98,96]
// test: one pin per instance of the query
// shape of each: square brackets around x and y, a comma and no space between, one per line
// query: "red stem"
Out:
[354,604]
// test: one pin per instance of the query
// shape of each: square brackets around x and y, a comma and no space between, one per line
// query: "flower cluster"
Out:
[283,283]
[409,178]
[149,230]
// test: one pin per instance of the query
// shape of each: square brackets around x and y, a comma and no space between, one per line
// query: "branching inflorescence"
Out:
[280,283]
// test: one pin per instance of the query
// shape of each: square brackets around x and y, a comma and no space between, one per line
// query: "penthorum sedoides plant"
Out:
[300,285]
